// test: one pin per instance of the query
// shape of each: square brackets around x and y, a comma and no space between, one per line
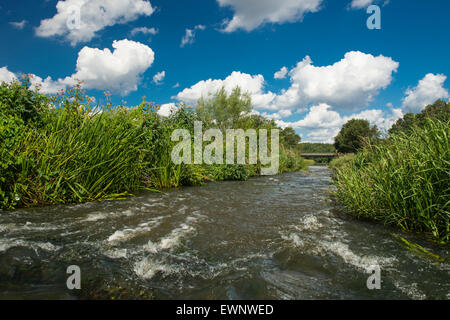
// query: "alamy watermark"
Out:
[235,145]
[374,21]
[74,280]
[374,281]
[73,21]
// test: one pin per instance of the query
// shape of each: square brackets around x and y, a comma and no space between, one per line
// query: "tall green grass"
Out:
[402,182]
[70,152]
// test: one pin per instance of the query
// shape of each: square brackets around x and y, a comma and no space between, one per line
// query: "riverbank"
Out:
[403,181]
[65,149]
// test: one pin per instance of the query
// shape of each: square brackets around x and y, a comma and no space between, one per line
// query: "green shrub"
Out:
[11,130]
[17,100]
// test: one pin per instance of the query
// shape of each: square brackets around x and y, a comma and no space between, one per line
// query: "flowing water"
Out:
[268,238]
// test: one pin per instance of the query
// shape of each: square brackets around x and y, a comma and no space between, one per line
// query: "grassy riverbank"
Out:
[64,149]
[402,181]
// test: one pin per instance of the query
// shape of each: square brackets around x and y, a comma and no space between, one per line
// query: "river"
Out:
[275,237]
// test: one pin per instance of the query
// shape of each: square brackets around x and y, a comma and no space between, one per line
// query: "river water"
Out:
[268,238]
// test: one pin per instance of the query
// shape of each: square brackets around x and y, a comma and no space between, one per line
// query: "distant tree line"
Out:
[357,132]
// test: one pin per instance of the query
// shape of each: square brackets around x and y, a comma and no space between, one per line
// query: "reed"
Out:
[72,152]
[402,182]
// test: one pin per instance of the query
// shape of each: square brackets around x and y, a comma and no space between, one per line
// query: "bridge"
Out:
[319,155]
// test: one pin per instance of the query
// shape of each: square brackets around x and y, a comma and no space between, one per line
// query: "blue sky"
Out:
[335,68]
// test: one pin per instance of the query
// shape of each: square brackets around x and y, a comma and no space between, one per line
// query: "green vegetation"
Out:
[317,148]
[439,110]
[402,181]
[62,149]
[354,134]
[341,162]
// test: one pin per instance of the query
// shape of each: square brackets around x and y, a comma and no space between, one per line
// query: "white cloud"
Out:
[167,109]
[144,30]
[118,71]
[6,75]
[429,89]
[189,36]
[159,77]
[19,25]
[363,4]
[281,74]
[50,86]
[322,124]
[348,84]
[254,85]
[360,4]
[47,86]
[250,14]
[95,15]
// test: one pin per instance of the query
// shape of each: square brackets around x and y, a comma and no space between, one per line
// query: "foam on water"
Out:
[130,233]
[116,253]
[294,238]
[173,239]
[362,262]
[411,290]
[310,223]
[6,244]
[102,216]
[148,268]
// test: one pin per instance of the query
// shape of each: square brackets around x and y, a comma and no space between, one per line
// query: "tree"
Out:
[290,138]
[439,110]
[354,134]
[225,110]
[317,148]
[404,124]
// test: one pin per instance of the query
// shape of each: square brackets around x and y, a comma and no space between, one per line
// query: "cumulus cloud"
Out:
[93,16]
[144,30]
[118,71]
[363,4]
[359,4]
[429,89]
[254,85]
[159,77]
[167,109]
[50,86]
[19,25]
[47,86]
[189,36]
[281,74]
[348,84]
[322,123]
[250,14]
[6,75]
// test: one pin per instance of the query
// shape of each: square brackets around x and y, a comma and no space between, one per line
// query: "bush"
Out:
[17,100]
[11,130]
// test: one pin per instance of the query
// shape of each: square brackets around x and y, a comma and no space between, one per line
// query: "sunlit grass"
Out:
[403,182]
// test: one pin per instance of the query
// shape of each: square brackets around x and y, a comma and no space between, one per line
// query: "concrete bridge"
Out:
[319,155]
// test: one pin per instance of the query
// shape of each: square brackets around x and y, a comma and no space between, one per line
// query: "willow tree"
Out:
[223,109]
